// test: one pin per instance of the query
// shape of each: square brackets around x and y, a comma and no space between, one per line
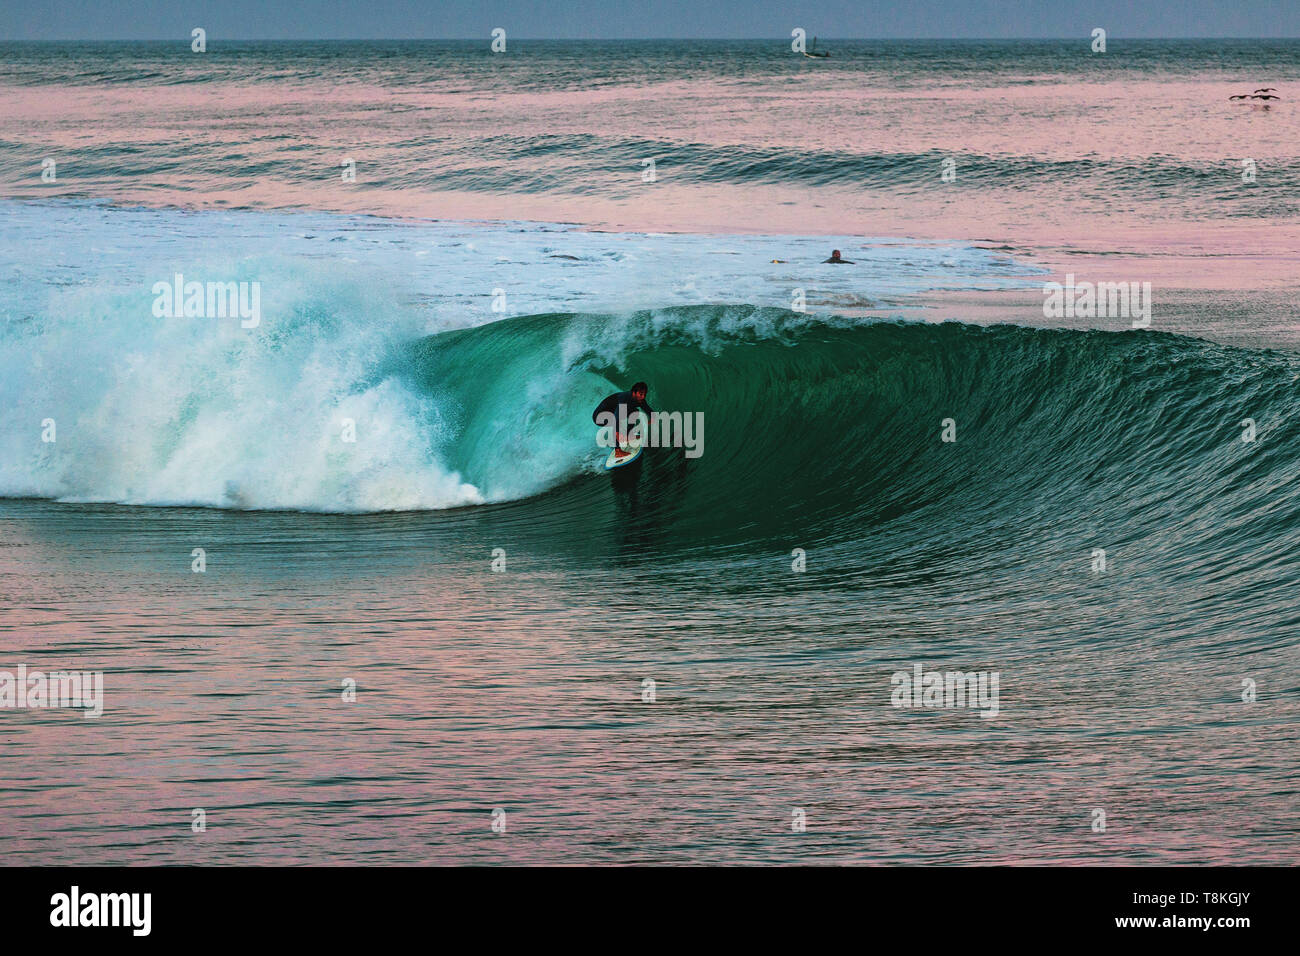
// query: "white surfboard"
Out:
[635,442]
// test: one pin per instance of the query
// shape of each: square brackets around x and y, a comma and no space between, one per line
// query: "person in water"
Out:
[835,258]
[621,405]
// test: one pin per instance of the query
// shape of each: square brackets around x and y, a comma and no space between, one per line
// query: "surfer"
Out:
[835,258]
[621,405]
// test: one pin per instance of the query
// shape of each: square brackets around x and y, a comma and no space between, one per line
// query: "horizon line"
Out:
[487,37]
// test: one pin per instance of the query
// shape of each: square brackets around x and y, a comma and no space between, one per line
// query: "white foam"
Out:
[203,411]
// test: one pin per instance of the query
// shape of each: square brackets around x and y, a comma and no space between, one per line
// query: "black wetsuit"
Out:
[621,402]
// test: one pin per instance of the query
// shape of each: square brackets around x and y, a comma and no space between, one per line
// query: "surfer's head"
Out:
[835,253]
[639,391]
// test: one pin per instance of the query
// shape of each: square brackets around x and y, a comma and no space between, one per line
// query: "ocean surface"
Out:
[388,485]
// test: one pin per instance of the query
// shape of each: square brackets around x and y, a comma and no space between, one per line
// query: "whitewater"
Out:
[177,410]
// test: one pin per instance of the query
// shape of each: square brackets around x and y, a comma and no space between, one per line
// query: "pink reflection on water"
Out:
[199,143]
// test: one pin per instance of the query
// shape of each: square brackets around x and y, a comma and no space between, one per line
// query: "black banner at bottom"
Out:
[329,905]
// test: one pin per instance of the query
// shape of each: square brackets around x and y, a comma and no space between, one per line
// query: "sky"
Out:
[637,19]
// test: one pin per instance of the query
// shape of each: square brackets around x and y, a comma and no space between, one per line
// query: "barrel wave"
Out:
[892,447]
[1088,469]
[836,432]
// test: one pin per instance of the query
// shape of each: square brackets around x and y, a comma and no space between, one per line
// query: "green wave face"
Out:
[828,432]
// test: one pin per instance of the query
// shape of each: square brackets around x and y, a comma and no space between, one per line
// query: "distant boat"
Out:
[814,54]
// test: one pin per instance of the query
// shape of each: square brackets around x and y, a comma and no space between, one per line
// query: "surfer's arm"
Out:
[606,405]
